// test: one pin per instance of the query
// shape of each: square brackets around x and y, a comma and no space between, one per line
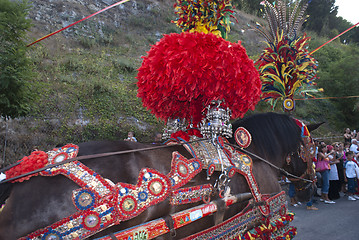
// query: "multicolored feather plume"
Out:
[285,65]
[207,16]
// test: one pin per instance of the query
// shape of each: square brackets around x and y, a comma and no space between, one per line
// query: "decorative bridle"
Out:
[284,172]
[101,193]
[306,152]
[240,163]
[86,157]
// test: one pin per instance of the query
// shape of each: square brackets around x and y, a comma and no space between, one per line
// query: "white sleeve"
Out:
[356,170]
[3,176]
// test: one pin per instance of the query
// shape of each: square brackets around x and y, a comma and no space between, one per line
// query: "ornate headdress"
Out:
[183,73]
[285,65]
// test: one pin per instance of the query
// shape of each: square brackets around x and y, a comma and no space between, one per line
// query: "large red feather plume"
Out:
[183,72]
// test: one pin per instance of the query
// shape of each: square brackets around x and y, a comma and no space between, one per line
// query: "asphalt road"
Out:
[337,221]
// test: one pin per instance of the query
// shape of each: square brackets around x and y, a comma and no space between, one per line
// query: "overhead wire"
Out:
[72,24]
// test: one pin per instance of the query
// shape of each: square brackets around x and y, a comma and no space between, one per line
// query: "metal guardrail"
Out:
[328,137]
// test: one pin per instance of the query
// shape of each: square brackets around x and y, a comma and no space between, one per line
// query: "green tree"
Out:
[249,6]
[354,35]
[339,77]
[344,82]
[321,13]
[15,67]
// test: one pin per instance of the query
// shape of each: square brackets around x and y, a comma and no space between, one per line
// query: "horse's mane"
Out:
[271,132]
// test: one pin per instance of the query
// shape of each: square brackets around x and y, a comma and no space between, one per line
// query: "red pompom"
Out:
[183,73]
[179,135]
[194,132]
[36,160]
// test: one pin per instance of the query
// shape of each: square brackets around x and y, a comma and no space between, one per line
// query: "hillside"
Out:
[137,23]
[84,87]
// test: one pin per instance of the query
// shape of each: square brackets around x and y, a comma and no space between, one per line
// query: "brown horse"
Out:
[41,201]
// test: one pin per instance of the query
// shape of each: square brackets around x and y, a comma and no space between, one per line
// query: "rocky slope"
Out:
[142,18]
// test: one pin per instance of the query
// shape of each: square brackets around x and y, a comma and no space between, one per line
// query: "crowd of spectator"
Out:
[340,177]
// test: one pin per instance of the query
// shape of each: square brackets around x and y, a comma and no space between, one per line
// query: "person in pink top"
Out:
[324,156]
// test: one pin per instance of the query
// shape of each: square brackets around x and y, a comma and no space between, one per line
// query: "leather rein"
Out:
[270,164]
[85,157]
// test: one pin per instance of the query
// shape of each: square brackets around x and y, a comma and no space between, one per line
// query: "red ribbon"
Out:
[72,24]
[333,39]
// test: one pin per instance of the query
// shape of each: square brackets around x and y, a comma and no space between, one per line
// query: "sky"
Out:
[349,10]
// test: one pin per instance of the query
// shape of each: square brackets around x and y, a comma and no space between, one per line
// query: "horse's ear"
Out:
[312,127]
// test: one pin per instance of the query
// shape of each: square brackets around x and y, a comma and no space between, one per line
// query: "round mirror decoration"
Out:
[243,137]
[52,235]
[91,221]
[142,196]
[246,160]
[60,157]
[288,104]
[85,199]
[182,169]
[156,187]
[128,204]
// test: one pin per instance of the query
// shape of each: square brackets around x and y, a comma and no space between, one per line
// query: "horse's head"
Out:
[276,137]
[300,164]
[303,171]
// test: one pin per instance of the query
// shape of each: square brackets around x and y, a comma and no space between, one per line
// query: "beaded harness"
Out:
[101,204]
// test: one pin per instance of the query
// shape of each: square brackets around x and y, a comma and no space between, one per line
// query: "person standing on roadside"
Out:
[340,155]
[334,183]
[347,136]
[324,156]
[351,174]
[354,148]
